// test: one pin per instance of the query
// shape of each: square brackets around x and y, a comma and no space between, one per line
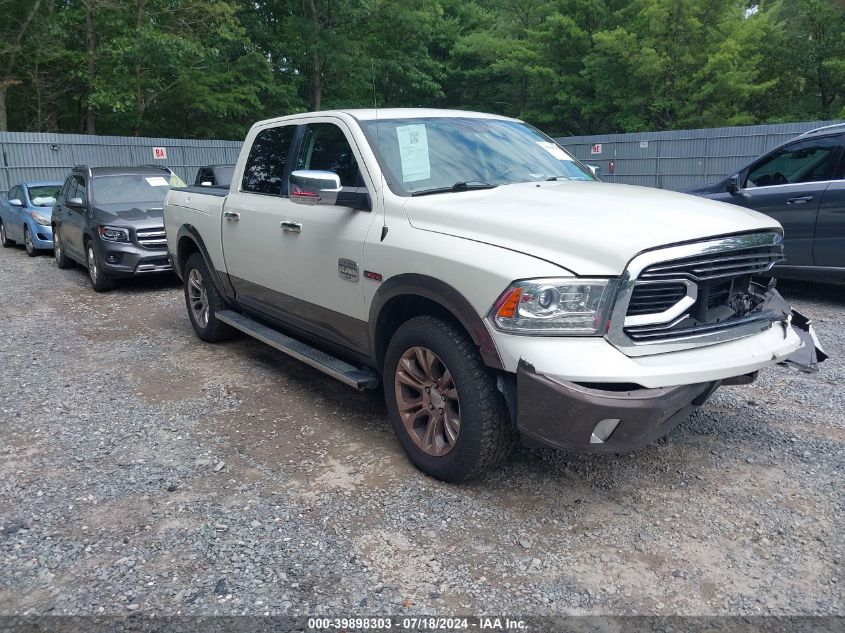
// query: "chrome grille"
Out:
[736,263]
[653,314]
[152,238]
[655,298]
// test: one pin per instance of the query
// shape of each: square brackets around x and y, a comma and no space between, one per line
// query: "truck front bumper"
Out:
[575,417]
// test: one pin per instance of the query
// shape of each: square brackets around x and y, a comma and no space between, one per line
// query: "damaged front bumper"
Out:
[551,411]
[810,354]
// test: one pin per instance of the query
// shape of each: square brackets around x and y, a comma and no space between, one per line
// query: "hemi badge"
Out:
[371,275]
[347,269]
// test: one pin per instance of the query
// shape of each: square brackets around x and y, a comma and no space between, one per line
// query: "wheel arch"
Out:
[188,242]
[406,296]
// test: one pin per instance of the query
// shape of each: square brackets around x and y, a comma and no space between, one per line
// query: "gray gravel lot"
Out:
[143,470]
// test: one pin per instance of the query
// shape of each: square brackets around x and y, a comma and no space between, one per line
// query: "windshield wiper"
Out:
[468,185]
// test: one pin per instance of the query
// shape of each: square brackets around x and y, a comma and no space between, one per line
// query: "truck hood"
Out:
[140,216]
[589,228]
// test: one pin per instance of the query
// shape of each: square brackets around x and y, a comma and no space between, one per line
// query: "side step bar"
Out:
[358,377]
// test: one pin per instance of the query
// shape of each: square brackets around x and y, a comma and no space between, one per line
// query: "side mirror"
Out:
[75,202]
[733,184]
[206,183]
[15,202]
[595,169]
[313,187]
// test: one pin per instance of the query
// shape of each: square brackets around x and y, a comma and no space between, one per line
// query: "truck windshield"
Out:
[130,189]
[441,154]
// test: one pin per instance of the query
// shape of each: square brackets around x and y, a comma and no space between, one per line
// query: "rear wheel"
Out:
[27,242]
[5,241]
[203,301]
[443,401]
[62,260]
[99,281]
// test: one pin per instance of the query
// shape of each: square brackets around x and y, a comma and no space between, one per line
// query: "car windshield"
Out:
[438,154]
[44,195]
[131,189]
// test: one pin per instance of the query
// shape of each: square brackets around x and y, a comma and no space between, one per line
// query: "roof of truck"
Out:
[369,114]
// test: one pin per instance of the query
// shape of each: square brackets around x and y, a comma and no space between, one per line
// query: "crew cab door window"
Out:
[324,147]
[806,161]
[265,165]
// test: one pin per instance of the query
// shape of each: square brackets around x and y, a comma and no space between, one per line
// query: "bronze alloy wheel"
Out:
[428,401]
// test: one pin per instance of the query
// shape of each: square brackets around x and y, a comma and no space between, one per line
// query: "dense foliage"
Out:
[209,68]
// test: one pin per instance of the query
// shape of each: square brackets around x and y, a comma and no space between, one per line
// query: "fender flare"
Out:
[445,296]
[190,232]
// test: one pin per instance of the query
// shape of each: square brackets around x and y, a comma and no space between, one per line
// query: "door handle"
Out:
[799,200]
[291,227]
[232,216]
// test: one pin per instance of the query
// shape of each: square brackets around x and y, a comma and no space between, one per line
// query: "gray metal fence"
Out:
[680,158]
[669,160]
[37,156]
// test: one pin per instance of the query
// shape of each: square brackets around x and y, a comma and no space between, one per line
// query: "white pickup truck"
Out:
[485,278]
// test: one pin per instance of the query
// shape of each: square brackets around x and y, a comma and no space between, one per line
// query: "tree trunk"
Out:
[90,42]
[316,83]
[7,79]
[4,125]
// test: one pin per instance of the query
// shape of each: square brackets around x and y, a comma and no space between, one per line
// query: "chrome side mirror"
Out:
[595,169]
[314,186]
[75,202]
[15,202]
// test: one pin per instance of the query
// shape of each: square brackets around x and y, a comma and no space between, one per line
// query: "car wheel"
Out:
[5,241]
[62,260]
[99,281]
[203,301]
[27,242]
[443,401]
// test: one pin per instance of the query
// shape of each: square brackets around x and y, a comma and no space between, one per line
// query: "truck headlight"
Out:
[40,219]
[114,234]
[555,306]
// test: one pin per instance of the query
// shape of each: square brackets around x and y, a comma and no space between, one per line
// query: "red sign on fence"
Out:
[160,153]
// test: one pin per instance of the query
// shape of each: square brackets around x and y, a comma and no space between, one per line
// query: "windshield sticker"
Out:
[413,152]
[157,181]
[554,150]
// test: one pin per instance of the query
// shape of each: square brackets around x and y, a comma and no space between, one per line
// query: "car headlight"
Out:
[40,219]
[555,306]
[114,234]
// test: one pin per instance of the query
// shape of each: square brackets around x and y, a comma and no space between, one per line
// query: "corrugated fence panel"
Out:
[37,156]
[679,159]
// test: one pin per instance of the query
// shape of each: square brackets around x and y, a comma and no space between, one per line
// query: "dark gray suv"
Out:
[110,220]
[802,185]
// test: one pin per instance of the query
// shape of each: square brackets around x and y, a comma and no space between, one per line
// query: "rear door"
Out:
[252,216]
[789,185]
[829,245]
[74,219]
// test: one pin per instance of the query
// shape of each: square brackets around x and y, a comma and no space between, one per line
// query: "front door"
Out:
[74,218]
[829,249]
[789,185]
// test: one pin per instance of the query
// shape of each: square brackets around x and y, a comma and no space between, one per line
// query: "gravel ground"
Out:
[144,471]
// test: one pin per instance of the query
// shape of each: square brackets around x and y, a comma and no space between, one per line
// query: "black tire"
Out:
[485,436]
[100,282]
[62,260]
[201,294]
[3,239]
[27,242]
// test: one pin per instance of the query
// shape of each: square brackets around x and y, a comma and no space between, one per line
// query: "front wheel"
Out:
[99,281]
[5,241]
[27,241]
[443,401]
[203,301]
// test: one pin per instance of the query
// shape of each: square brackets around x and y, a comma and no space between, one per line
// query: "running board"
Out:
[358,377]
